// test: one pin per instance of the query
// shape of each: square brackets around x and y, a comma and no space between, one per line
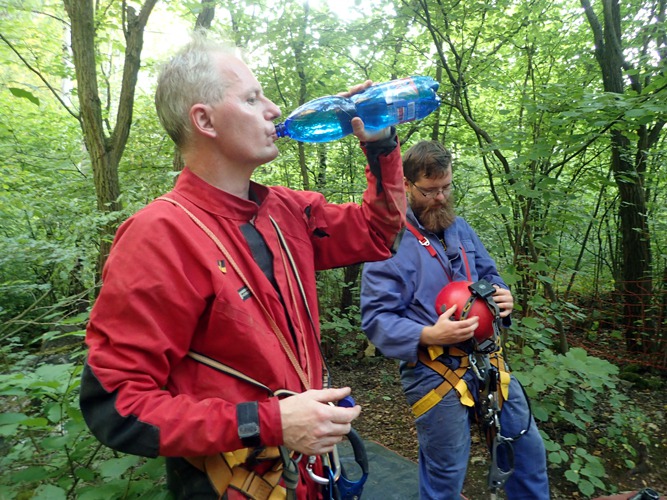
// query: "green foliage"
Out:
[523,113]
[578,396]
[342,332]
[47,450]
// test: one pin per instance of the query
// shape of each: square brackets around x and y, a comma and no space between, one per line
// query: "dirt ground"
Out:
[386,419]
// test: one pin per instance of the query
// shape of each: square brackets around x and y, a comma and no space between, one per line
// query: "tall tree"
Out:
[105,144]
[632,75]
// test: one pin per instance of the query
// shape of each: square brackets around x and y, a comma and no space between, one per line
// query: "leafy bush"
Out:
[576,396]
[47,450]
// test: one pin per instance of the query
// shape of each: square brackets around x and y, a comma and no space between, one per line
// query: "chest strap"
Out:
[453,379]
[424,241]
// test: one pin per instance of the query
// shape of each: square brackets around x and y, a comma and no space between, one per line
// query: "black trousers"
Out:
[186,482]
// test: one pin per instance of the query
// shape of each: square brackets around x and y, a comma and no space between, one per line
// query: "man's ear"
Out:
[406,183]
[200,118]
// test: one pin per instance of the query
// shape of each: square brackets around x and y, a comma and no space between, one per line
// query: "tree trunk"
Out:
[351,278]
[105,152]
[636,279]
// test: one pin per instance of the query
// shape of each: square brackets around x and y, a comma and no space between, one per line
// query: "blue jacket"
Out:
[398,294]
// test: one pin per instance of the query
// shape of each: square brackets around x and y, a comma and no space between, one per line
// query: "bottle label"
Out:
[402,111]
[400,100]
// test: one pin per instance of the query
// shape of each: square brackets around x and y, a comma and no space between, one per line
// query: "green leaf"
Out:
[35,422]
[554,458]
[153,468]
[116,467]
[530,323]
[24,94]
[54,413]
[84,473]
[56,442]
[49,492]
[110,489]
[12,418]
[8,430]
[31,474]
[572,476]
[540,413]
[597,483]
[586,487]
[570,439]
[550,445]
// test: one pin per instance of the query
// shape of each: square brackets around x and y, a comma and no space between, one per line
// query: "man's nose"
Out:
[273,110]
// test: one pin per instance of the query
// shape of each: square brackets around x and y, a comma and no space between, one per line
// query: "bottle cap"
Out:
[347,402]
[281,129]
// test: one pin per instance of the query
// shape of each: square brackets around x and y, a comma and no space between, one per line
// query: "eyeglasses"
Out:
[432,193]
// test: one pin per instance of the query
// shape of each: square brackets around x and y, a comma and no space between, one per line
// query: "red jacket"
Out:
[168,290]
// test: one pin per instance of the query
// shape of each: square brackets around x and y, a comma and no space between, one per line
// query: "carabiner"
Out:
[309,467]
[326,461]
[498,477]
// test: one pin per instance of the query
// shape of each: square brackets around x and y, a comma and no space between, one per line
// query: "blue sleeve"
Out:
[386,293]
[482,264]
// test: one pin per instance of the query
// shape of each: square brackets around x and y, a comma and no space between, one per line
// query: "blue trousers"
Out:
[444,440]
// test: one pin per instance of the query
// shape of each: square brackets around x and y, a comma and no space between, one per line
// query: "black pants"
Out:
[186,482]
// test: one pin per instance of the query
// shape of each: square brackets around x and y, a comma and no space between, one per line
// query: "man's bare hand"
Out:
[504,299]
[358,128]
[311,425]
[447,331]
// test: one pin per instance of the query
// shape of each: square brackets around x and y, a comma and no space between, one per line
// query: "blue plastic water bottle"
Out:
[379,106]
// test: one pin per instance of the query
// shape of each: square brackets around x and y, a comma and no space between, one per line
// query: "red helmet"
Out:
[457,292]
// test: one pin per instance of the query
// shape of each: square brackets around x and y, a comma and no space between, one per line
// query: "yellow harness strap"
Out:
[453,379]
[225,470]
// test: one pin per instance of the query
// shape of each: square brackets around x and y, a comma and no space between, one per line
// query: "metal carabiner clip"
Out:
[326,461]
[497,477]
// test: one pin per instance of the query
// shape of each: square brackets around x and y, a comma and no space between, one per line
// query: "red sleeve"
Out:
[348,234]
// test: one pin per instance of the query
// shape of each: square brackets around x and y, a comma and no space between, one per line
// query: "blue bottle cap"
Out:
[347,402]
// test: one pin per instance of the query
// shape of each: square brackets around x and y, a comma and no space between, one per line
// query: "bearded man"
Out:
[399,317]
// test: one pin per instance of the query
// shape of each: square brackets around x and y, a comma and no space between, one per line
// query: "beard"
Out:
[435,216]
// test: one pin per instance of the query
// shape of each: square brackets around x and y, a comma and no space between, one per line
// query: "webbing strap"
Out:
[225,470]
[497,360]
[221,367]
[274,326]
[424,241]
[453,379]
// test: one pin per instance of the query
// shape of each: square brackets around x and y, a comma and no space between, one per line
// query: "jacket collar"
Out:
[217,201]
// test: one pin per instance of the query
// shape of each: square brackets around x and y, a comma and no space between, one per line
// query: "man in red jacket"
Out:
[208,313]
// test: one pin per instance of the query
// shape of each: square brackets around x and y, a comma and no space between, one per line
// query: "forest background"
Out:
[554,110]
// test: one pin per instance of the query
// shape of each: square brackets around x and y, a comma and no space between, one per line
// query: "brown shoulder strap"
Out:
[279,334]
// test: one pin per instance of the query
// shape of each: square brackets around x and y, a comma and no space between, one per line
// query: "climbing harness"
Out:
[486,362]
[226,470]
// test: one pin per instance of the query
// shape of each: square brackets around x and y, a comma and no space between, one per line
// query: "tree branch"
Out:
[39,75]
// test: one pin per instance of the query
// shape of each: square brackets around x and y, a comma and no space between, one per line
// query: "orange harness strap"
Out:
[225,470]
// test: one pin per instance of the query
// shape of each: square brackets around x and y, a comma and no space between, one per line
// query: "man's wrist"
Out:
[382,146]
